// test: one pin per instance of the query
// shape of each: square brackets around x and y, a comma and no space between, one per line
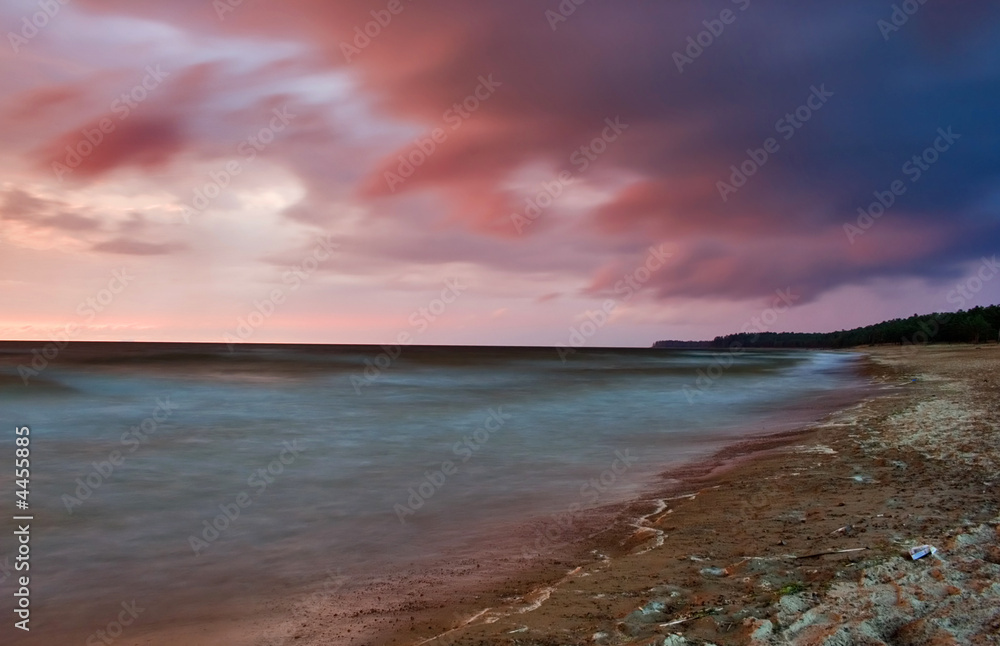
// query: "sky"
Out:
[584,172]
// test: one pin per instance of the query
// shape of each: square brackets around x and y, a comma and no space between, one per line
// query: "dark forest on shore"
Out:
[976,325]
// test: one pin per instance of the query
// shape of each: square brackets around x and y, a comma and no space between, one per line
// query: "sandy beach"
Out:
[792,537]
[801,538]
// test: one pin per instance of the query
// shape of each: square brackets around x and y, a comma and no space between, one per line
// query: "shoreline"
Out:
[622,526]
[418,602]
[478,589]
[739,557]
[426,606]
[704,552]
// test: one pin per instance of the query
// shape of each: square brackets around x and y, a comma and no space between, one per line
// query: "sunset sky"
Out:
[264,156]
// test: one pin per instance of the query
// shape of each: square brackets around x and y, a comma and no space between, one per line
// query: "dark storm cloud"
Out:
[888,91]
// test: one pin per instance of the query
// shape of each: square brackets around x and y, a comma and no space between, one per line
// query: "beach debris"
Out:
[675,622]
[462,624]
[691,617]
[652,612]
[820,449]
[846,530]
[653,608]
[638,621]
[852,549]
[921,551]
[714,571]
[675,640]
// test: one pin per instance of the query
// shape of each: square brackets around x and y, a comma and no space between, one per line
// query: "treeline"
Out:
[977,325]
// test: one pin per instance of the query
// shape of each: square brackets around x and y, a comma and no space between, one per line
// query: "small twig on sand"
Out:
[698,615]
[675,622]
[853,549]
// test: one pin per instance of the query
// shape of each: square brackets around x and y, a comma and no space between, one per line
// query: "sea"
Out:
[165,474]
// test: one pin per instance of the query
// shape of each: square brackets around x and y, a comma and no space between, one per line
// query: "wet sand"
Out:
[733,550]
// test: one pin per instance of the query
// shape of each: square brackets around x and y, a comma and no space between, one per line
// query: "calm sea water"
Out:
[162,471]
